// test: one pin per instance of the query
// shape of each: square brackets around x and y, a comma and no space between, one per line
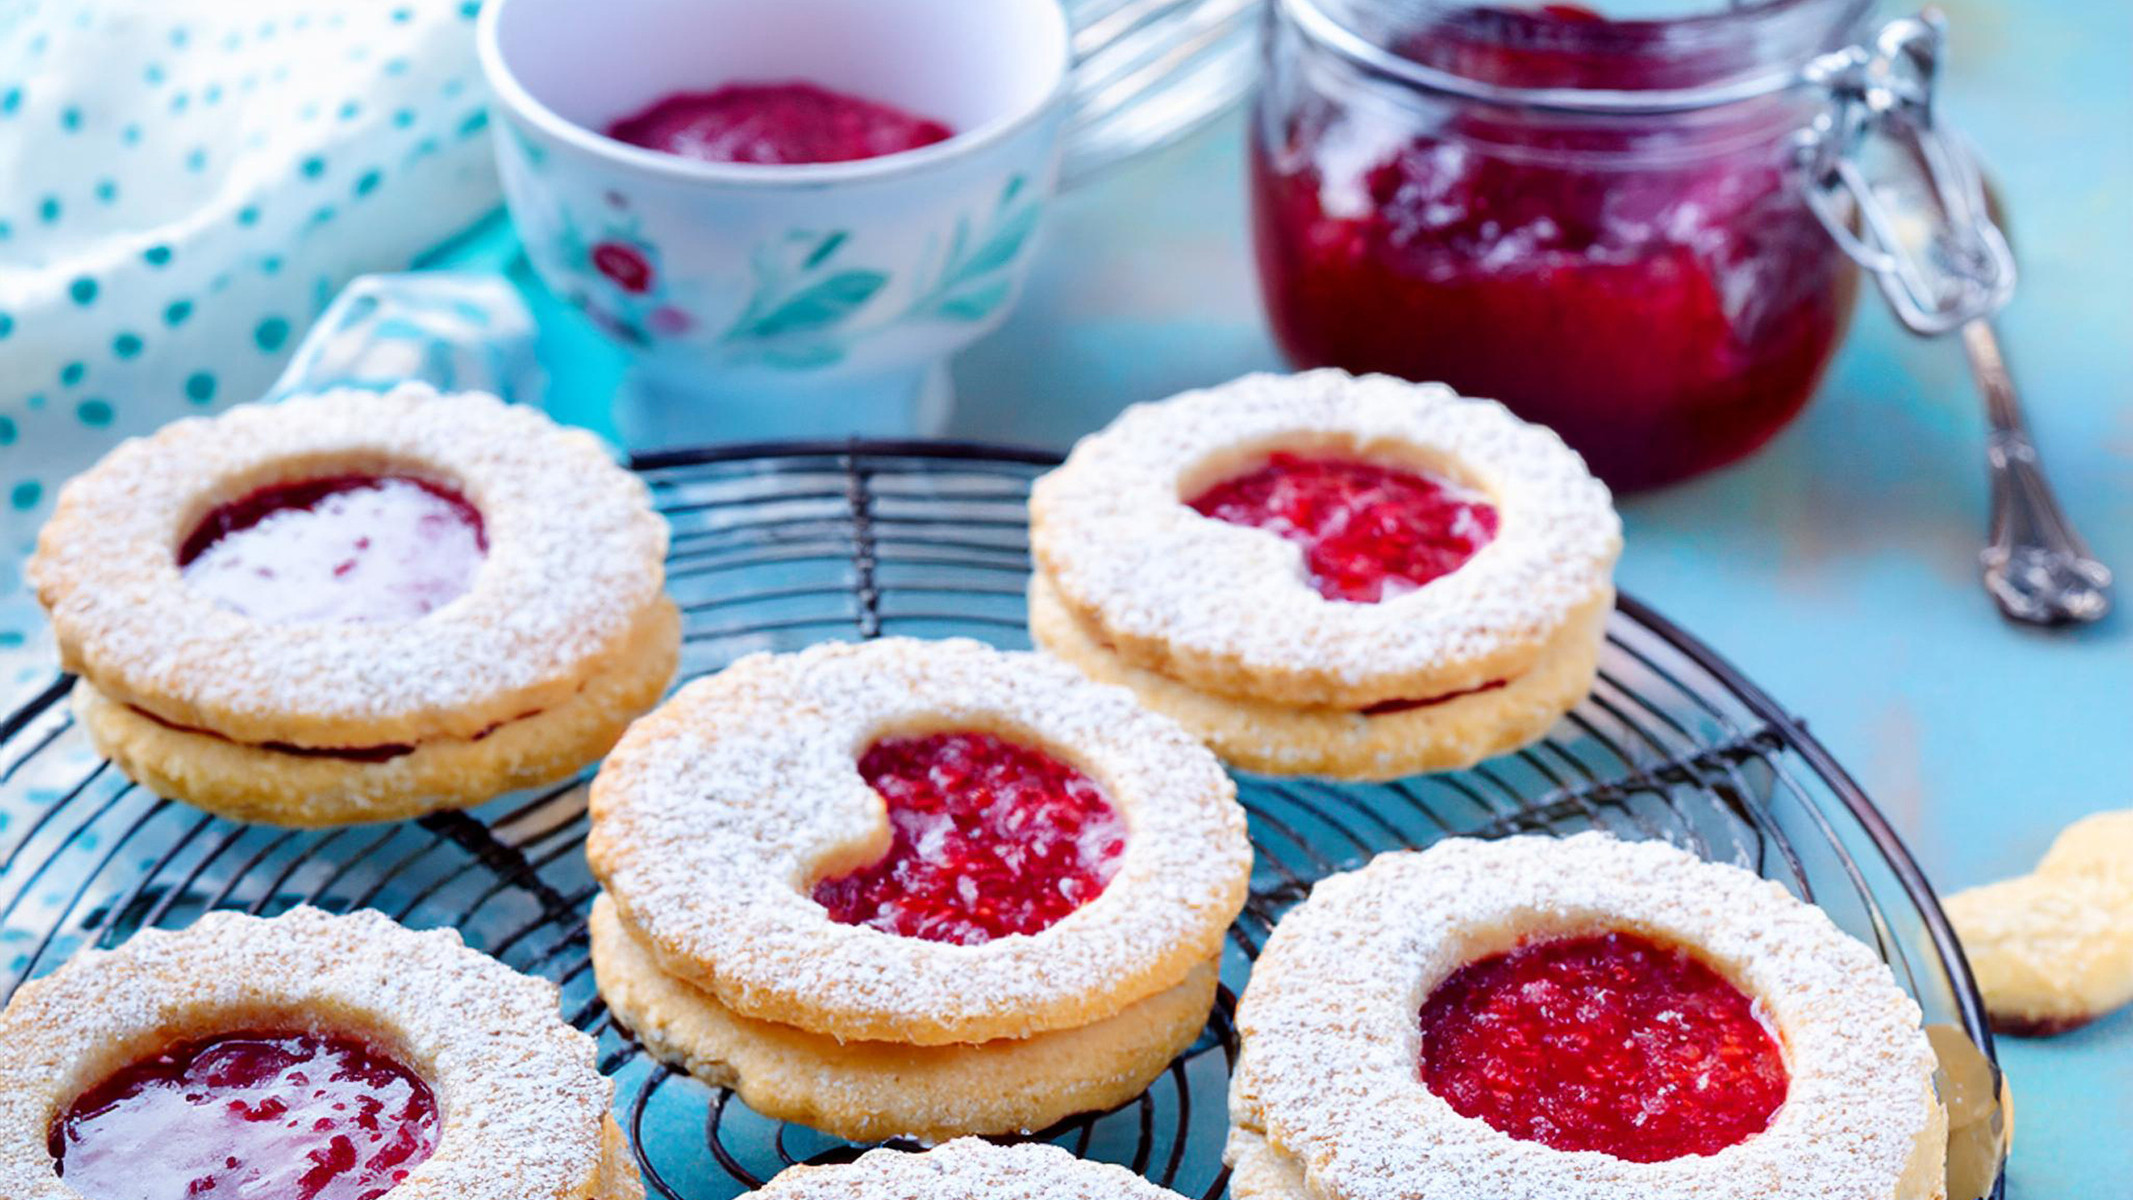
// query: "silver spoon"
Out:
[1932,237]
[2037,568]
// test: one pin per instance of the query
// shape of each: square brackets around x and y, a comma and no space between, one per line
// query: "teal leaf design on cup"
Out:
[820,254]
[818,305]
[974,305]
[798,315]
[973,280]
[1004,244]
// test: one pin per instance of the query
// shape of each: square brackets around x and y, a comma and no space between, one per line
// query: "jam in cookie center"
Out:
[291,1116]
[1368,532]
[346,548]
[1610,1043]
[987,839]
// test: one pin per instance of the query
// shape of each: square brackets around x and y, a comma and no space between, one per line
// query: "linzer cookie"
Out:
[355,607]
[1584,1019]
[966,1169]
[305,1055]
[913,888]
[1322,574]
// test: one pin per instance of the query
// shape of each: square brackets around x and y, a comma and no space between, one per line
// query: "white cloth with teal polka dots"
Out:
[186,184]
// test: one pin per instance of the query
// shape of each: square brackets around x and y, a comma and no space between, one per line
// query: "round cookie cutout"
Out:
[965,1169]
[1328,1102]
[717,814]
[1230,610]
[524,1109]
[1258,735]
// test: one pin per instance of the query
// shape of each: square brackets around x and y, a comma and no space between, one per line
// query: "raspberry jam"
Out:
[776,123]
[1368,532]
[349,548]
[1386,708]
[278,1116]
[1610,1043]
[1654,288]
[988,839]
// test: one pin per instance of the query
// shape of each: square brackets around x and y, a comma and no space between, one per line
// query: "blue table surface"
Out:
[1839,567]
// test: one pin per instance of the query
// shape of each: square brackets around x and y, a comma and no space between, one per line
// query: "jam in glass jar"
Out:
[1611,225]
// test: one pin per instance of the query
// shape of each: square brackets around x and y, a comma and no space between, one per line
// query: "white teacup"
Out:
[775,300]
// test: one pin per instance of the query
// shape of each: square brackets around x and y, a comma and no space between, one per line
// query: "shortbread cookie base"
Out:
[525,1112]
[1244,696]
[1257,1171]
[2050,955]
[1258,735]
[870,1091]
[253,783]
[965,1169]
[2053,950]
[618,1177]
[1328,1081]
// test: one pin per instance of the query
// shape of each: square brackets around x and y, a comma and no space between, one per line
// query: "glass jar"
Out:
[1639,232]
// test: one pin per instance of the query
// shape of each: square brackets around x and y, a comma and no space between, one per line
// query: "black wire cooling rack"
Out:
[776,547]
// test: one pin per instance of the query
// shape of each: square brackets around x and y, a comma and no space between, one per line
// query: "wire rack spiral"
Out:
[778,547]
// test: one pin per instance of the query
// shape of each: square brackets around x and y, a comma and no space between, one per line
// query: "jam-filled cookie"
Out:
[913,888]
[328,1057]
[1322,574]
[1584,1019]
[966,1169]
[357,607]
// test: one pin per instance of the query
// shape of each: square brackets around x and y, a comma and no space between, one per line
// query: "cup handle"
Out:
[1147,72]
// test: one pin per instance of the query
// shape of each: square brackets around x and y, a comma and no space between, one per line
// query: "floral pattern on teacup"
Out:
[812,297]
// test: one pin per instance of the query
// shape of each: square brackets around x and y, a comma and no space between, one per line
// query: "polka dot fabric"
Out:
[186,184]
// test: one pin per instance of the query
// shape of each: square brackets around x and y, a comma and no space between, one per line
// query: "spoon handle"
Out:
[2037,568]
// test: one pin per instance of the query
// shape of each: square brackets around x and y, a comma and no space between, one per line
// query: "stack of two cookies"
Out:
[1318,574]
[1012,912]
[352,607]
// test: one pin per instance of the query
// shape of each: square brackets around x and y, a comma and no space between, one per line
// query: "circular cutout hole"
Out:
[351,547]
[1609,1042]
[1369,530]
[988,838]
[271,1113]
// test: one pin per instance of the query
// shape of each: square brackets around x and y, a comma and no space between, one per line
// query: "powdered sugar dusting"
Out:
[523,1104]
[717,813]
[574,557]
[966,1169]
[1111,531]
[1329,1079]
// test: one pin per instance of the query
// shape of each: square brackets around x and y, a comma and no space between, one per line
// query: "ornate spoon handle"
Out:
[2037,568]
